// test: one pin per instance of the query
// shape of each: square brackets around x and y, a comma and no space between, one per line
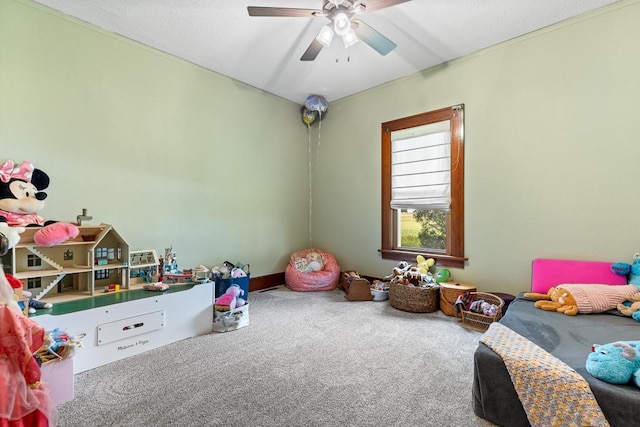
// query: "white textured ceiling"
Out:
[265,51]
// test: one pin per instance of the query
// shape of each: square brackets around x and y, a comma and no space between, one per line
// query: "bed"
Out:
[568,338]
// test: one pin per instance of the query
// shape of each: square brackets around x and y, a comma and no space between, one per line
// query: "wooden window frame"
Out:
[454,255]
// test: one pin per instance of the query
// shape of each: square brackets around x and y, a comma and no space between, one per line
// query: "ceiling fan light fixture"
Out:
[350,38]
[336,2]
[341,23]
[325,36]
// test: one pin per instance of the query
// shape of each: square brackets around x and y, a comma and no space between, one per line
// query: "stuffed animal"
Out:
[424,264]
[22,197]
[237,272]
[631,306]
[34,305]
[230,299]
[632,271]
[556,299]
[443,275]
[572,299]
[398,272]
[314,260]
[481,306]
[615,363]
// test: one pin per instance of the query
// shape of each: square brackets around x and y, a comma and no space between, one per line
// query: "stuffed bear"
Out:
[22,197]
[632,271]
[615,363]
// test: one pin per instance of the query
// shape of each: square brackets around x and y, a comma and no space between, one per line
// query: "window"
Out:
[101,274]
[34,283]
[33,261]
[423,187]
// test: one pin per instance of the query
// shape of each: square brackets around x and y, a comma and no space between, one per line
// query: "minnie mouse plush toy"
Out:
[21,197]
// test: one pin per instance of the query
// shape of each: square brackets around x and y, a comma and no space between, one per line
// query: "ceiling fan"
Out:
[341,16]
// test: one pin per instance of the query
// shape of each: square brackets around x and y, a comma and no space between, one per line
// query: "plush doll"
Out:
[22,197]
[615,363]
[632,271]
[630,306]
[572,299]
[556,299]
[34,305]
[302,265]
[314,260]
[230,299]
[398,272]
[238,272]
[424,264]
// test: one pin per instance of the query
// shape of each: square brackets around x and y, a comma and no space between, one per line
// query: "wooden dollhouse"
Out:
[114,325]
[143,267]
[97,259]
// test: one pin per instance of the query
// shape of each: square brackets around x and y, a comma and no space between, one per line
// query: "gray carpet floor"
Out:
[306,359]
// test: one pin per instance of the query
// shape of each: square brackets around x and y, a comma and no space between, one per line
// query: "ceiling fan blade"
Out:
[373,5]
[283,11]
[312,51]
[377,41]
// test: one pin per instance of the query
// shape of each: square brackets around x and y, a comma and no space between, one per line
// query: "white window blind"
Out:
[421,167]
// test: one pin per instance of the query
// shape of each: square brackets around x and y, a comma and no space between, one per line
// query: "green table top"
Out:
[105,299]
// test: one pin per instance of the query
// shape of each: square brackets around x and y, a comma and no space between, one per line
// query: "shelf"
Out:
[67,243]
[47,273]
[109,266]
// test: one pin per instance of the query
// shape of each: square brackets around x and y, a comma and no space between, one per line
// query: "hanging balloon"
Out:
[309,117]
[316,103]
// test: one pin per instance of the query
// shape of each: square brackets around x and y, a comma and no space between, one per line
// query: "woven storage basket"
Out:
[479,321]
[413,298]
[449,293]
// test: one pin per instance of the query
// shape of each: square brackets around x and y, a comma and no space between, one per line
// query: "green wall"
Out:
[167,152]
[172,154]
[552,146]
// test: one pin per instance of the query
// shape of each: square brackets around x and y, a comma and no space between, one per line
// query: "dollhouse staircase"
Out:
[50,286]
[45,258]
[54,265]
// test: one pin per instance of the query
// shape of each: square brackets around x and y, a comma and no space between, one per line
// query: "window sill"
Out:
[410,256]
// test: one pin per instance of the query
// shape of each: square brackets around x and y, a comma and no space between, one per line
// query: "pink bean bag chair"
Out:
[312,270]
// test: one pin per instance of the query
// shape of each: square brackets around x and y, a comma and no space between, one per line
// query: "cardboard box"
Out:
[58,376]
[227,321]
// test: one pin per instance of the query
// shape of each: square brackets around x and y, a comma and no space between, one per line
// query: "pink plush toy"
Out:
[230,299]
[22,197]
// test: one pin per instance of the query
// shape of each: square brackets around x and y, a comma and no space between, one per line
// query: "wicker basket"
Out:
[449,293]
[479,321]
[413,298]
